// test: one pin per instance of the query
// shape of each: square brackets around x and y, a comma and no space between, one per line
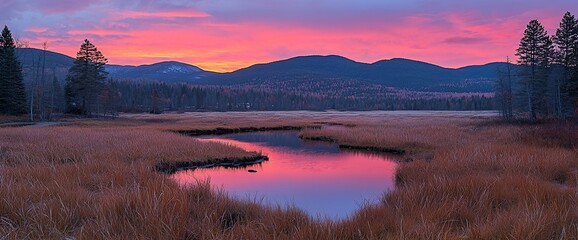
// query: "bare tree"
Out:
[504,90]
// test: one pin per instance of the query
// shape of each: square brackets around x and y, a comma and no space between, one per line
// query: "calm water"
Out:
[316,177]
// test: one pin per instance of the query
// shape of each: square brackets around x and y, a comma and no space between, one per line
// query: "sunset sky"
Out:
[225,35]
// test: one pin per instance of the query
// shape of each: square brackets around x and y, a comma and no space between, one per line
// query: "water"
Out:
[317,177]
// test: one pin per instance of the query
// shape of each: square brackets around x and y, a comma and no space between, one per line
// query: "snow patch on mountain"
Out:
[173,68]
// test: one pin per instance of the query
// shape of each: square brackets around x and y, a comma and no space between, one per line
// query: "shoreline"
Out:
[170,168]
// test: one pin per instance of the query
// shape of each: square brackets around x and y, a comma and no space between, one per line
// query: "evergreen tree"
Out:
[85,80]
[566,41]
[12,93]
[535,55]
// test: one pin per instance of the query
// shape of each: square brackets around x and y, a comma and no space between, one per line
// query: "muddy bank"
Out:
[374,149]
[172,167]
[221,131]
[396,151]
[319,138]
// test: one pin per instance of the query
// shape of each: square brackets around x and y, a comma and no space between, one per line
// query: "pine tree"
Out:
[12,93]
[535,54]
[566,41]
[85,80]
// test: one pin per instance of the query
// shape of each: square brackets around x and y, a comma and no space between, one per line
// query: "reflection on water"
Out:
[314,176]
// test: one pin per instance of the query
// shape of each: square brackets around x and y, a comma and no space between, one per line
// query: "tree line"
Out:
[157,97]
[544,84]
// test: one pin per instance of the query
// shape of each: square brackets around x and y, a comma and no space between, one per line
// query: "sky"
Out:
[225,35]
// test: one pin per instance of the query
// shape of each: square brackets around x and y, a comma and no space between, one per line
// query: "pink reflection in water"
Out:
[317,178]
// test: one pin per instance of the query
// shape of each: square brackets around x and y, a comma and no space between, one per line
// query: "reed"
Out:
[468,177]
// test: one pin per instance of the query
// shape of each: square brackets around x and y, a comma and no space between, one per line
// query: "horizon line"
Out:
[280,60]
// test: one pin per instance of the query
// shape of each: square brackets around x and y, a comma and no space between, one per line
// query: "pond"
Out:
[318,177]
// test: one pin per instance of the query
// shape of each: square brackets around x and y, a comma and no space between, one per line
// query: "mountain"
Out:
[401,73]
[164,71]
[56,64]
[31,56]
[59,64]
[325,75]
[410,74]
[311,67]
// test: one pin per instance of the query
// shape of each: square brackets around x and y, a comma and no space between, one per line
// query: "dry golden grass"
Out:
[62,181]
[467,179]
[473,179]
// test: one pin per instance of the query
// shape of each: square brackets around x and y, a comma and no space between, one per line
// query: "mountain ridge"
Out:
[280,60]
[57,62]
[298,73]
[395,72]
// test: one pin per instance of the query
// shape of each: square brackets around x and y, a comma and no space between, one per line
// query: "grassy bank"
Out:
[469,177]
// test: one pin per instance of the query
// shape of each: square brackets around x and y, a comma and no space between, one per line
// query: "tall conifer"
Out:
[535,54]
[85,80]
[12,93]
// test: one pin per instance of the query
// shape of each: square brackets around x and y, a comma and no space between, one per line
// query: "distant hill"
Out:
[396,73]
[31,56]
[305,75]
[284,70]
[164,71]
[31,59]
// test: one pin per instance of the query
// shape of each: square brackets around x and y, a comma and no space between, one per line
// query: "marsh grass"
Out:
[467,179]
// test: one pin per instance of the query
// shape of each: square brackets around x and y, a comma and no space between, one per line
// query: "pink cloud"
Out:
[171,14]
[36,29]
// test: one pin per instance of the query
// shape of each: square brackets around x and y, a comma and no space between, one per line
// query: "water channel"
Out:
[318,177]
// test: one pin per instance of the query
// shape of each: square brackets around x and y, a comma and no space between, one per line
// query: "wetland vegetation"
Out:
[463,175]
